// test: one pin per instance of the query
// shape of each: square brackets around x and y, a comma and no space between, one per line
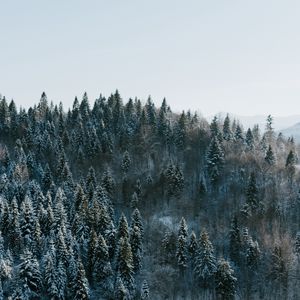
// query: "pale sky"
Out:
[233,56]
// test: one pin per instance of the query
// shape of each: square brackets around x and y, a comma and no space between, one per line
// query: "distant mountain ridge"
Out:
[293,131]
[279,123]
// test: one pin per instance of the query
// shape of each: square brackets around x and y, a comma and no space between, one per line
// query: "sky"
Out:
[211,56]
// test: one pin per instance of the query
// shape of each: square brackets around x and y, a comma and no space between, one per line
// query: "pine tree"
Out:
[126,162]
[102,271]
[29,272]
[252,254]
[50,275]
[215,129]
[123,231]
[252,193]
[278,270]
[27,221]
[225,281]
[227,134]
[297,244]
[181,252]
[145,294]
[136,247]
[270,157]
[249,139]
[81,289]
[136,220]
[214,160]
[121,293]
[238,135]
[124,264]
[47,178]
[180,131]
[290,163]
[234,241]
[61,280]
[205,262]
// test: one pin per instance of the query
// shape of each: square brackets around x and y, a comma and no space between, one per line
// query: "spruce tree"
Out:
[29,272]
[124,264]
[270,157]
[234,241]
[136,247]
[102,271]
[81,289]
[249,139]
[252,193]
[145,294]
[227,134]
[205,261]
[214,160]
[225,281]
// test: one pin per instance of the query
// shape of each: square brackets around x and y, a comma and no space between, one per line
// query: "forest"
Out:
[128,200]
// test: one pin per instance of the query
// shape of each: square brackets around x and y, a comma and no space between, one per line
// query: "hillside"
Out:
[129,201]
[293,131]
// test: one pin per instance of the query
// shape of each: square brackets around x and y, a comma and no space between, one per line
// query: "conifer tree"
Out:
[50,275]
[214,160]
[249,139]
[123,231]
[121,293]
[252,193]
[227,134]
[124,264]
[27,221]
[102,271]
[126,162]
[145,294]
[205,261]
[136,247]
[136,220]
[225,281]
[234,241]
[270,157]
[81,289]
[29,272]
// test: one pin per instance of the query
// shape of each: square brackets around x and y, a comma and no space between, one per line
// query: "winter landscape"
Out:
[149,150]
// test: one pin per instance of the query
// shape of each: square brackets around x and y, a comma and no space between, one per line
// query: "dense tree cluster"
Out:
[92,199]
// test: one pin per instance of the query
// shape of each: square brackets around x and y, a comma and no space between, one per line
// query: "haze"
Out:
[234,56]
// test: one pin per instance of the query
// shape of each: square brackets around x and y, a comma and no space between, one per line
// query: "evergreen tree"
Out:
[50,275]
[249,139]
[81,289]
[27,221]
[270,157]
[225,281]
[238,135]
[214,160]
[136,220]
[136,247]
[124,264]
[297,244]
[126,162]
[121,293]
[227,134]
[29,272]
[102,271]
[234,241]
[252,193]
[145,294]
[205,262]
[123,231]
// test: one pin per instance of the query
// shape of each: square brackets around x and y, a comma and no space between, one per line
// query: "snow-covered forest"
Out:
[125,200]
